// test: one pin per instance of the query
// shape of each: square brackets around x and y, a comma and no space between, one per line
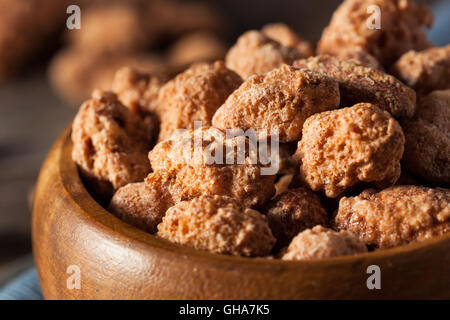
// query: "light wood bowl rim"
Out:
[92,210]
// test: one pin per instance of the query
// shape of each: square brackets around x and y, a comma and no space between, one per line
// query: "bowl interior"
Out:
[95,212]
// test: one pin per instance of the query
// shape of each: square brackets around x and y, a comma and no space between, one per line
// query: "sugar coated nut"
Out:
[425,71]
[194,95]
[401,29]
[294,211]
[362,57]
[217,224]
[255,53]
[196,172]
[137,90]
[427,147]
[143,204]
[319,243]
[395,216]
[287,37]
[358,83]
[109,143]
[345,147]
[279,100]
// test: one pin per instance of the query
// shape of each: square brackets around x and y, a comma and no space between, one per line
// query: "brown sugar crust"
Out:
[109,143]
[287,37]
[280,100]
[194,95]
[358,83]
[345,147]
[294,211]
[255,53]
[395,216]
[427,147]
[319,243]
[217,224]
[196,173]
[425,71]
[401,29]
[143,204]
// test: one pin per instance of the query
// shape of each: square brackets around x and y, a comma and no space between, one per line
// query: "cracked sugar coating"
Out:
[358,83]
[143,204]
[395,216]
[294,211]
[287,37]
[109,143]
[319,243]
[255,53]
[279,100]
[217,224]
[197,173]
[401,29]
[345,147]
[427,147]
[425,71]
[194,95]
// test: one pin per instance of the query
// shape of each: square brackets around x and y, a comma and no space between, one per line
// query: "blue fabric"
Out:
[24,287]
[440,32]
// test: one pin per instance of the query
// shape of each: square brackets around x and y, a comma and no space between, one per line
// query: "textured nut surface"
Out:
[194,95]
[143,204]
[198,171]
[358,83]
[287,37]
[344,147]
[294,211]
[427,147]
[395,216]
[109,143]
[319,243]
[401,29]
[217,224]
[425,71]
[137,90]
[255,53]
[279,100]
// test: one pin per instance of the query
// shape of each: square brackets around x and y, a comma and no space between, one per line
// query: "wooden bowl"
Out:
[118,261]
